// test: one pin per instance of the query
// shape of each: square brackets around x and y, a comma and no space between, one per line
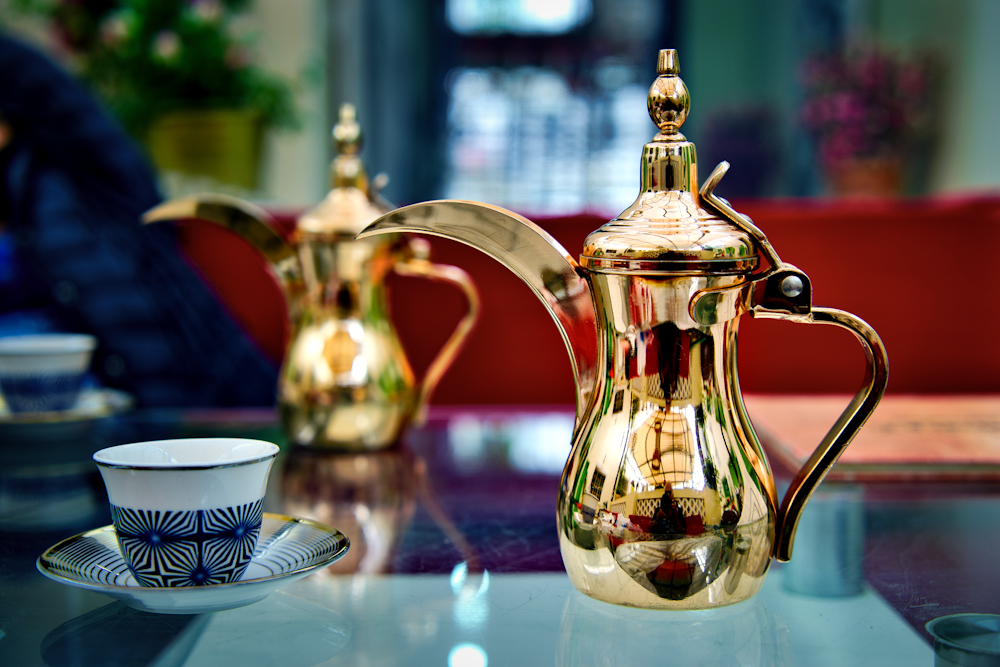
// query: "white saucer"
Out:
[65,434]
[93,403]
[287,550]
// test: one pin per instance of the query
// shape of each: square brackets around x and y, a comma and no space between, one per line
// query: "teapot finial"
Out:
[350,204]
[347,131]
[347,170]
[669,100]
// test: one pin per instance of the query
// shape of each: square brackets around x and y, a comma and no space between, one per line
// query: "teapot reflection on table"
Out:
[369,496]
[667,500]
[345,382]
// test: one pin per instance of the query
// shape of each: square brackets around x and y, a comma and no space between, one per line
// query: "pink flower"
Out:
[116,28]
[166,46]
[209,11]
[863,105]
[237,56]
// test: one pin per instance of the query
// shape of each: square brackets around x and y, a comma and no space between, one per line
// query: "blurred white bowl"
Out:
[44,372]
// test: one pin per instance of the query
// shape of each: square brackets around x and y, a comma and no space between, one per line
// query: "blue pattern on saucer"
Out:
[188,548]
[41,392]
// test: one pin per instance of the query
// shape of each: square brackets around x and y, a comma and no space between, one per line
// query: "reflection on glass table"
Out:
[455,561]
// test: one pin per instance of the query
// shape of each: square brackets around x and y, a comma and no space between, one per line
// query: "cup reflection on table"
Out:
[829,544]
[369,496]
[187,512]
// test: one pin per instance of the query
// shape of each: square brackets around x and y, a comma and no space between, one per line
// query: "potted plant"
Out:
[865,107]
[180,78]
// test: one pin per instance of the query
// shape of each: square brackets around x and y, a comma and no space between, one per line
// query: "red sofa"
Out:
[920,271]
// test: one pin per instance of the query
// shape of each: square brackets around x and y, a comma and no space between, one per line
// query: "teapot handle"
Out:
[781,291]
[847,425]
[417,264]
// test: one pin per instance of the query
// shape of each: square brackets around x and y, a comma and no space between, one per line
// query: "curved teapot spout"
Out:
[527,250]
[251,222]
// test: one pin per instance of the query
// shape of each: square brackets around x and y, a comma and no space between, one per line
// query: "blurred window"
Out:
[526,140]
[534,131]
[524,17]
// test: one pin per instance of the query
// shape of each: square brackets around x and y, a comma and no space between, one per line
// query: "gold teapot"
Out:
[345,382]
[667,500]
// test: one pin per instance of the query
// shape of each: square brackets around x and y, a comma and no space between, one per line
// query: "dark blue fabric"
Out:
[77,259]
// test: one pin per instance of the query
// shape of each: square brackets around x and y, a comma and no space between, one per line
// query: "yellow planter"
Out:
[224,145]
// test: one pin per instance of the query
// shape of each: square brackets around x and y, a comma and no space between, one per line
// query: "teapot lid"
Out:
[667,230]
[352,202]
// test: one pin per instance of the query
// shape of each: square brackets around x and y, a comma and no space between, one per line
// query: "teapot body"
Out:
[345,381]
[666,500]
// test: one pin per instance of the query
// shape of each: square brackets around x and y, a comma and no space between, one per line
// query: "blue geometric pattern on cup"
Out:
[188,548]
[40,392]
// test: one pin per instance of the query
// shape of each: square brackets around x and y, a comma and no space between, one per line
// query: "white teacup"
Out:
[188,511]
[43,372]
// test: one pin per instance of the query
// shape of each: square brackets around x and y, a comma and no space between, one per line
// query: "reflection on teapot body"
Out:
[667,500]
[345,382]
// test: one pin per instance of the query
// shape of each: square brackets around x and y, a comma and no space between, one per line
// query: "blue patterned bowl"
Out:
[44,372]
[187,512]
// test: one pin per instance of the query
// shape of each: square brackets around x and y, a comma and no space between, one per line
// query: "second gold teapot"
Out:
[345,382]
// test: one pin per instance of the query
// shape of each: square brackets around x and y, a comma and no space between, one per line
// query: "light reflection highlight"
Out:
[467,655]
[536,444]
[542,444]
[462,585]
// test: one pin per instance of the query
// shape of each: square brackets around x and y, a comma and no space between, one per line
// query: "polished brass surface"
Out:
[345,382]
[667,500]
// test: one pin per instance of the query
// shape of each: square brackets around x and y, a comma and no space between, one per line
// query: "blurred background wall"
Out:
[537,105]
[492,110]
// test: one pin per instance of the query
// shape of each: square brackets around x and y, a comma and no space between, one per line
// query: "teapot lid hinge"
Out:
[779,288]
[721,207]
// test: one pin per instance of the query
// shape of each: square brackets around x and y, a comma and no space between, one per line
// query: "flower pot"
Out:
[219,144]
[866,177]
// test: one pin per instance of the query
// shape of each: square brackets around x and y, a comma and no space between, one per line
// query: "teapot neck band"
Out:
[670,165]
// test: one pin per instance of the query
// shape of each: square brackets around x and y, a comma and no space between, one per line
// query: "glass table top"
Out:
[455,561]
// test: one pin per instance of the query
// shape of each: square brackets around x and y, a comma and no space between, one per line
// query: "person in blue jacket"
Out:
[74,256]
